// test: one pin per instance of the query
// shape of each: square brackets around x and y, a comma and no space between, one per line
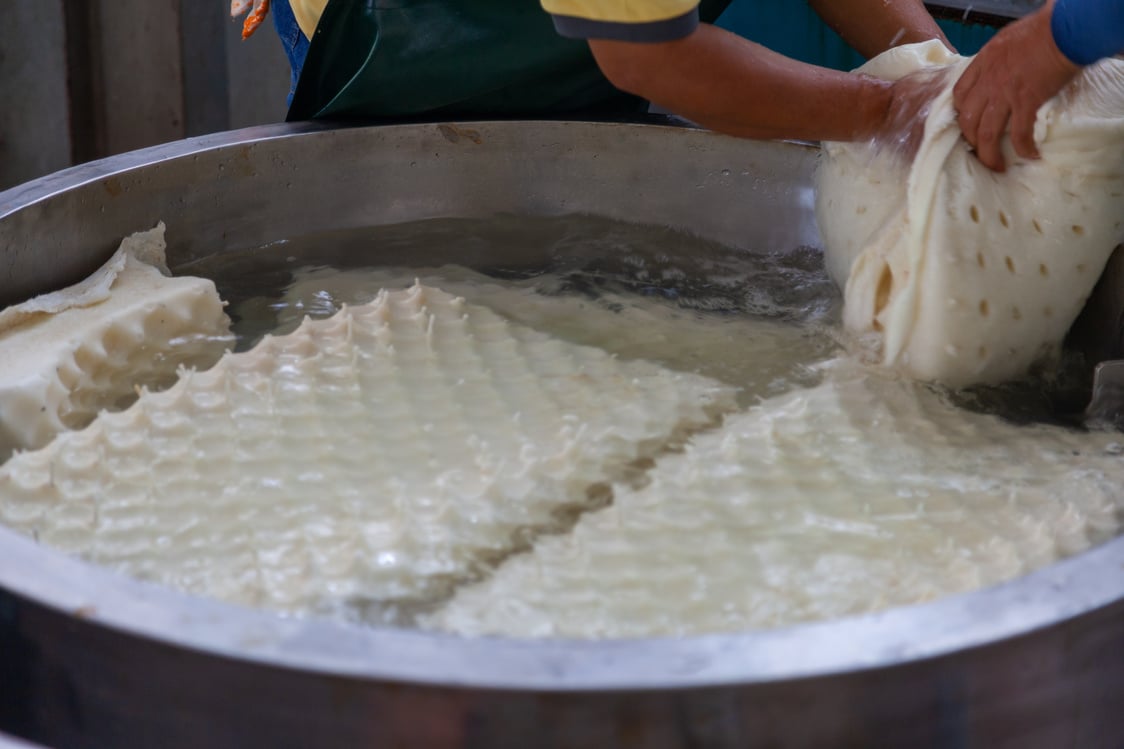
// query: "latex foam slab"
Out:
[964,275]
[761,357]
[376,456]
[859,494]
[68,354]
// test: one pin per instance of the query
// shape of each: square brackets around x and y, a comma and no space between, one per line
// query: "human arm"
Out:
[1025,65]
[729,84]
[659,51]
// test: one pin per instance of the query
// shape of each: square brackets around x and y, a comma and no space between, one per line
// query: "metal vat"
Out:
[91,659]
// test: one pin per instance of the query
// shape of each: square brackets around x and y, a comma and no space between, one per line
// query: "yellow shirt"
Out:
[307,13]
[620,11]
[626,20]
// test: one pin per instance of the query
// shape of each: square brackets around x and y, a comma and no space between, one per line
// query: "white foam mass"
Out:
[760,356]
[378,456]
[70,353]
[963,274]
[864,492]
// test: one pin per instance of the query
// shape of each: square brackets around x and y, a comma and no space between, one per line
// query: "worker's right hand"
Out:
[1018,71]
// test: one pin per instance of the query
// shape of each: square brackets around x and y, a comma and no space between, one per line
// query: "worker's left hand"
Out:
[257,15]
[1015,73]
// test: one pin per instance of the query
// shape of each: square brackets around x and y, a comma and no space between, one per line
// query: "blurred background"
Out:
[83,79]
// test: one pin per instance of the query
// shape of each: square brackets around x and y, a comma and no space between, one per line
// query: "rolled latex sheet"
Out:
[864,492]
[960,274]
[73,352]
[361,464]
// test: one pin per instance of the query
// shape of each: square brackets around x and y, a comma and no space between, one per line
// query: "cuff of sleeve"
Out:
[1086,32]
[667,30]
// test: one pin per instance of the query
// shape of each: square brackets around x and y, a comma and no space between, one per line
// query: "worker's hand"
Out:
[1015,73]
[256,17]
[910,100]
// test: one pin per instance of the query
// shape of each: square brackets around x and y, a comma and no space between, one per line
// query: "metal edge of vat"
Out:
[1045,598]
[119,179]
[1048,607]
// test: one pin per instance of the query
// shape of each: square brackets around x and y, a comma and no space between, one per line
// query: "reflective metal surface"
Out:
[91,659]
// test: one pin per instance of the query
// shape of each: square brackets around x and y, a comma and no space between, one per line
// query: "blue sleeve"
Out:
[1088,30]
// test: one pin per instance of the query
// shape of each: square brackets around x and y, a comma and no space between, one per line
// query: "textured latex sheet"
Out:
[968,276]
[72,352]
[864,492]
[759,356]
[374,457]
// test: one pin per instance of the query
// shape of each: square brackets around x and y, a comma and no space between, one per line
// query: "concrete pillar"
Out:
[141,63]
[34,129]
[84,79]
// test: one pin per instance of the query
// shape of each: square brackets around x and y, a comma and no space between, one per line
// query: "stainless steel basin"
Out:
[88,658]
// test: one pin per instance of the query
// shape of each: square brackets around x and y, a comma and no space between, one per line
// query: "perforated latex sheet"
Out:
[966,275]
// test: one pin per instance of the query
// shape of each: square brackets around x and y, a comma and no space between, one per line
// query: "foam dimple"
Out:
[72,353]
[862,493]
[379,455]
[942,211]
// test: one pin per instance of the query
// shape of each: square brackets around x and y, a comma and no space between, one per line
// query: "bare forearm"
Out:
[873,26]
[726,83]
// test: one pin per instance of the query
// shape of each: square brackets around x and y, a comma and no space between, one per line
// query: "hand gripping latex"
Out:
[961,274]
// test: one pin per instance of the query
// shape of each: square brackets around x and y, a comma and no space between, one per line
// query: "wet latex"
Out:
[73,352]
[960,274]
[864,492]
[372,458]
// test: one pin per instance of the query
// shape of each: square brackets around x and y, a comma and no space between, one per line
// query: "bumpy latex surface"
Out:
[70,353]
[965,275]
[761,357]
[373,457]
[862,493]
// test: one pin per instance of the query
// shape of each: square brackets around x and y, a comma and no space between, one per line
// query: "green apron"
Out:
[406,58]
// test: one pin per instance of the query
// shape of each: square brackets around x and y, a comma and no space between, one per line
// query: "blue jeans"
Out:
[292,39]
